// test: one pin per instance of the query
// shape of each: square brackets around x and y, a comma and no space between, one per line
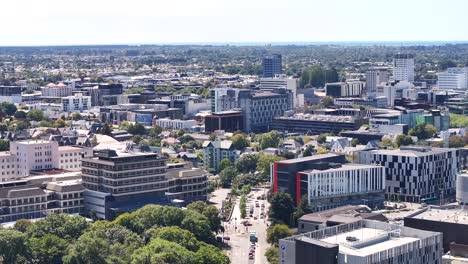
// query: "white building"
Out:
[175,123]
[70,157]
[388,91]
[403,67]
[7,166]
[56,90]
[34,155]
[326,188]
[374,77]
[77,102]
[281,81]
[453,78]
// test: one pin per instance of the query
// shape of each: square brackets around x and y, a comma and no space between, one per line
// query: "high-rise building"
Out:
[345,89]
[76,103]
[374,77]
[272,65]
[403,67]
[56,90]
[453,78]
[416,174]
[280,81]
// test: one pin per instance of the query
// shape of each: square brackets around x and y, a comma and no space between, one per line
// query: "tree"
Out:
[211,213]
[456,142]
[423,131]
[22,225]
[65,226]
[308,151]
[76,116]
[48,249]
[174,234]
[136,129]
[12,245]
[243,206]
[355,142]
[156,131]
[386,142]
[8,108]
[4,144]
[247,163]
[20,114]
[212,137]
[303,207]
[60,123]
[45,123]
[35,115]
[322,138]
[224,163]
[239,141]
[282,208]
[208,254]
[264,162]
[199,225]
[444,64]
[227,175]
[273,255]
[269,140]
[404,140]
[458,120]
[326,101]
[3,128]
[136,139]
[277,232]
[106,130]
[321,150]
[162,252]
[185,139]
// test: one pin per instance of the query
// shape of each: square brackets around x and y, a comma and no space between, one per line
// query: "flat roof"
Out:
[411,151]
[313,157]
[345,166]
[458,216]
[367,234]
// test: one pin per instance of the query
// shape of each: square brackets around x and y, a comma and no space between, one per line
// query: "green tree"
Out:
[8,108]
[326,101]
[105,242]
[22,225]
[174,234]
[76,116]
[303,207]
[404,140]
[3,128]
[458,120]
[240,141]
[45,123]
[20,114]
[12,245]
[355,142]
[322,138]
[48,249]
[387,142]
[247,163]
[185,139]
[212,137]
[35,115]
[62,225]
[224,163]
[277,232]
[308,151]
[60,123]
[211,213]
[444,64]
[273,255]
[106,130]
[4,144]
[199,225]
[281,208]
[162,252]
[208,254]
[155,131]
[456,142]
[269,140]
[227,175]
[243,206]
[423,131]
[136,129]
[263,164]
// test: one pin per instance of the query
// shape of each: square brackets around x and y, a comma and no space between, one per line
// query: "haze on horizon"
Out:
[55,22]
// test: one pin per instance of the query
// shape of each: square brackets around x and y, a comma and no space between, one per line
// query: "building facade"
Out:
[229,121]
[417,174]
[175,123]
[374,77]
[56,90]
[345,89]
[215,151]
[76,103]
[315,124]
[403,67]
[10,94]
[453,78]
[272,65]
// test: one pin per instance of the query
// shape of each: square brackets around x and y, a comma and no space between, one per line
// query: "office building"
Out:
[141,113]
[41,195]
[363,242]
[341,184]
[280,81]
[229,121]
[315,124]
[345,89]
[336,216]
[403,67]
[121,181]
[453,78]
[215,151]
[56,90]
[272,65]
[10,94]
[175,123]
[379,101]
[374,77]
[450,220]
[462,188]
[284,174]
[258,106]
[417,174]
[76,103]
[387,91]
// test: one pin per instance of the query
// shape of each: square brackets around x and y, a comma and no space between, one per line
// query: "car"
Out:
[226,238]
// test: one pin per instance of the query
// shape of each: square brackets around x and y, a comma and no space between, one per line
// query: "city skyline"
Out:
[53,22]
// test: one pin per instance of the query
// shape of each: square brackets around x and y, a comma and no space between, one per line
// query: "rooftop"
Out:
[323,118]
[346,166]
[310,158]
[453,215]
[411,151]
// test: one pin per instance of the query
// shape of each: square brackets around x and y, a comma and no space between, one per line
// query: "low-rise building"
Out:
[315,124]
[362,242]
[175,123]
[56,90]
[75,103]
[215,151]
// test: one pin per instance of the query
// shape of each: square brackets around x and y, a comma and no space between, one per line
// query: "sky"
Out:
[79,22]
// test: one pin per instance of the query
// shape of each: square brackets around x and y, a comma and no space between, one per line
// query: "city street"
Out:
[239,234]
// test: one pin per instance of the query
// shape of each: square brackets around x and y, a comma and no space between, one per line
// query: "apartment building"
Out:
[374,77]
[56,90]
[215,151]
[345,89]
[403,67]
[76,103]
[417,174]
[453,78]
[175,123]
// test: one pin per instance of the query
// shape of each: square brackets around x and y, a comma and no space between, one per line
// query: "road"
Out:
[239,234]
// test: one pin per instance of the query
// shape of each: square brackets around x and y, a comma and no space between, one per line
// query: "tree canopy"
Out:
[282,208]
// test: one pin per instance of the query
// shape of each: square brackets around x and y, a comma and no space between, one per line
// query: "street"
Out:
[239,234]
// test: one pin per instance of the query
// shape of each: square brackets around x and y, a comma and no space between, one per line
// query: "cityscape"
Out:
[242,147]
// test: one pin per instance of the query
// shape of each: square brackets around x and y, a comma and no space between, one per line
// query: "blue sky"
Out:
[69,22]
